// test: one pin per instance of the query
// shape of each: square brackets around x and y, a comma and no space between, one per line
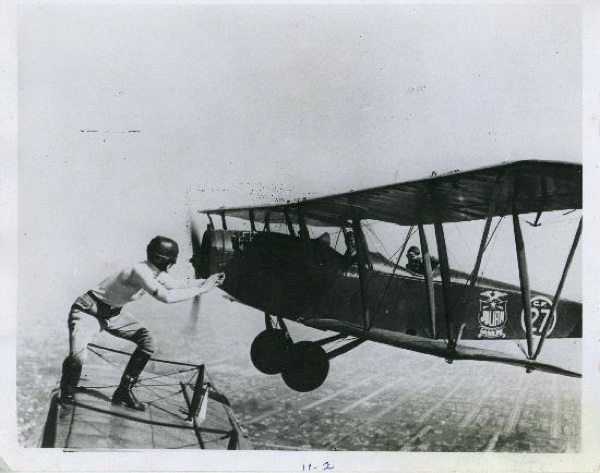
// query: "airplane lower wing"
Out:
[179,413]
[433,347]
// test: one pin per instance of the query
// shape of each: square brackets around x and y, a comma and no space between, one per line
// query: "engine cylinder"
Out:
[217,249]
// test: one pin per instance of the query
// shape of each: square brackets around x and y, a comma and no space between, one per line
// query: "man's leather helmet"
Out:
[162,252]
[413,251]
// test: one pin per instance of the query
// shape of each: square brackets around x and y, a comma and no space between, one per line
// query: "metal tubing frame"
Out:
[428,279]
[559,289]
[362,268]
[199,393]
[524,281]
[223,221]
[234,440]
[446,282]
[195,424]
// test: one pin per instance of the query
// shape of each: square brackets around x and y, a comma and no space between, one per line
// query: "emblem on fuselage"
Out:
[492,314]
[540,313]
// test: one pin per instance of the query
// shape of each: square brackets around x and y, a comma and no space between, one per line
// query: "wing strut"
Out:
[362,271]
[446,282]
[288,220]
[536,222]
[223,221]
[428,279]
[524,281]
[304,234]
[482,245]
[550,318]
[484,236]
[252,223]
[267,220]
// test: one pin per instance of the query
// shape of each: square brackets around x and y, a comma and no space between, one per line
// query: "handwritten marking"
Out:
[325,466]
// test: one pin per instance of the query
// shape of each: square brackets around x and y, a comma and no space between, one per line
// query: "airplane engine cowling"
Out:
[217,249]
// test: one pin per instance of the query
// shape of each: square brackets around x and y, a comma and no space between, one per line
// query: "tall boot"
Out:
[71,372]
[124,394]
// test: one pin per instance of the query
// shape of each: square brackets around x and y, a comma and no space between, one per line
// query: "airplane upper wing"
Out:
[522,186]
[434,347]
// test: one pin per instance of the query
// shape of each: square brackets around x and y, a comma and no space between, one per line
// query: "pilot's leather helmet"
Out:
[162,252]
[413,251]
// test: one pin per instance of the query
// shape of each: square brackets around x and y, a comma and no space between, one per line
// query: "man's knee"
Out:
[146,341]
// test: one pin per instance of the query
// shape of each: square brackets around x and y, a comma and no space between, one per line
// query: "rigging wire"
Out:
[337,238]
[418,302]
[476,276]
[108,361]
[463,240]
[142,382]
[369,227]
[374,273]
[466,294]
[406,240]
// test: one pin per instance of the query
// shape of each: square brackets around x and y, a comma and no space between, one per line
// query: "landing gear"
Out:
[269,351]
[307,367]
[304,366]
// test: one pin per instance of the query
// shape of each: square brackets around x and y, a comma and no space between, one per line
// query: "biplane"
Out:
[184,410]
[362,295]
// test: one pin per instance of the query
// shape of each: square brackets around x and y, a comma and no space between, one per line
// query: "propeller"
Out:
[196,242]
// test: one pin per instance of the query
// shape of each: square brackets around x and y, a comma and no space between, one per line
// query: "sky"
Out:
[129,114]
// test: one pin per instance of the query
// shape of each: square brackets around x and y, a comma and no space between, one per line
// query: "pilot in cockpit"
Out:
[415,261]
[350,255]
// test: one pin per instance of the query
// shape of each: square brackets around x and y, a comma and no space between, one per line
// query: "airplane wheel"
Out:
[307,367]
[269,351]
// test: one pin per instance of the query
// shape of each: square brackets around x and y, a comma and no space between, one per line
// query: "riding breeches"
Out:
[83,327]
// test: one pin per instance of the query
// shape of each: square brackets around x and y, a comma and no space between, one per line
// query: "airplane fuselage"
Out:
[302,279]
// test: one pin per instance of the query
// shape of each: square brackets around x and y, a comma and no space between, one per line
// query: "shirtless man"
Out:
[101,308]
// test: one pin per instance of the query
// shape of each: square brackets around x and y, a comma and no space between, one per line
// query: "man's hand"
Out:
[213,281]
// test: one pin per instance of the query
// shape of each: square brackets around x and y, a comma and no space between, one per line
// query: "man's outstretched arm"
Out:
[170,282]
[169,295]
